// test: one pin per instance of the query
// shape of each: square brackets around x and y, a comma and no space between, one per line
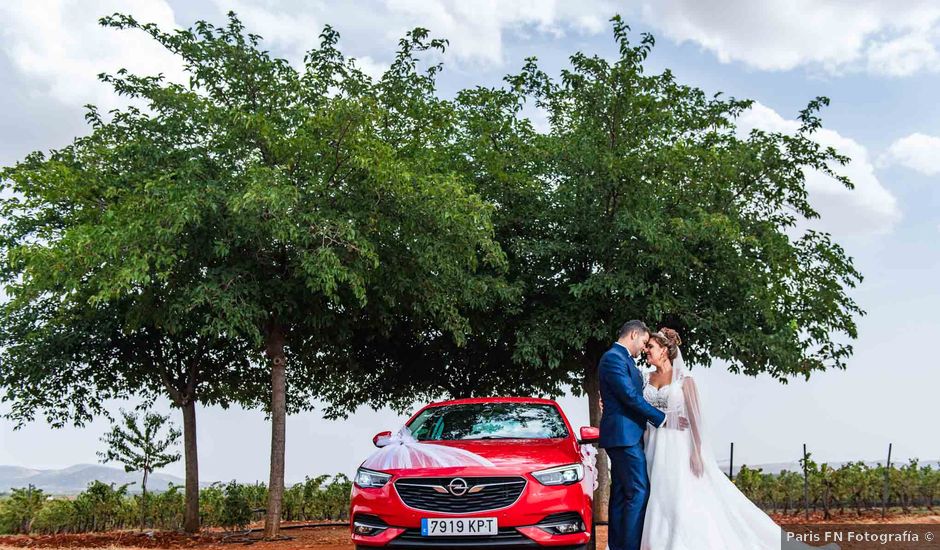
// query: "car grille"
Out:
[506,537]
[482,493]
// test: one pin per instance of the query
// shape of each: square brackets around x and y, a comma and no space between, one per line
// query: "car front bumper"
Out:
[526,523]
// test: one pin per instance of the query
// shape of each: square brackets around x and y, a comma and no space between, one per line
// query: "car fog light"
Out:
[367,525]
[566,523]
[568,528]
[366,530]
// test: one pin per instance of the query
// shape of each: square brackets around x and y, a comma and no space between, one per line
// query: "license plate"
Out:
[450,527]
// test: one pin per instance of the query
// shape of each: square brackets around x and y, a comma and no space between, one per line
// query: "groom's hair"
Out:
[631,326]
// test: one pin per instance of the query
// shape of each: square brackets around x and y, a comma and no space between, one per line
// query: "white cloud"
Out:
[294,30]
[903,56]
[60,44]
[917,151]
[371,67]
[868,209]
[887,38]
[475,29]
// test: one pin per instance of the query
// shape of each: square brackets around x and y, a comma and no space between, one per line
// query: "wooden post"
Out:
[731,463]
[805,485]
[884,496]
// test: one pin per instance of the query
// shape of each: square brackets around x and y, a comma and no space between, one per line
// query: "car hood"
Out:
[529,454]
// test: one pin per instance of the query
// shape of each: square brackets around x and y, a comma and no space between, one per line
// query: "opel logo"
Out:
[457,487]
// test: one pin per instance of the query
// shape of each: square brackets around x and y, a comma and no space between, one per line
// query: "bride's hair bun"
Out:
[671,335]
[669,339]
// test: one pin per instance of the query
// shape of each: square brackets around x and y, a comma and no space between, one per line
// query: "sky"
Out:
[878,62]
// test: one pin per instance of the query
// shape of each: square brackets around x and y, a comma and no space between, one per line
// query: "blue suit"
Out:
[623,422]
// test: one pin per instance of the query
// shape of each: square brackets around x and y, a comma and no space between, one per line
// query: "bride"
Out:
[692,505]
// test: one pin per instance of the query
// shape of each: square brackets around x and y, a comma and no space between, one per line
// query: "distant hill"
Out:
[75,479]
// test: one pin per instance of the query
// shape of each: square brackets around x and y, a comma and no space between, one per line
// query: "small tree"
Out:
[141,448]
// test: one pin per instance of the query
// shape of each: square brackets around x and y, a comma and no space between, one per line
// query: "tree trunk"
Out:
[275,352]
[191,511]
[143,501]
[592,389]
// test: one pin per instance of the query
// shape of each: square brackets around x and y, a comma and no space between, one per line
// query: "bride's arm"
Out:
[695,424]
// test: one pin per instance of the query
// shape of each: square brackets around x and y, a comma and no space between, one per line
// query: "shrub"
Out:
[20,508]
[211,502]
[56,516]
[236,507]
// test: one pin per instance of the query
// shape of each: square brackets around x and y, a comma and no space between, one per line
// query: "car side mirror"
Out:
[377,440]
[589,434]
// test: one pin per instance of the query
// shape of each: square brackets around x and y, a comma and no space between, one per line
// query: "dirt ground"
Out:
[319,538]
[850,518]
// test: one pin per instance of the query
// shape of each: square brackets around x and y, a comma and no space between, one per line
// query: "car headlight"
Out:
[560,475]
[370,479]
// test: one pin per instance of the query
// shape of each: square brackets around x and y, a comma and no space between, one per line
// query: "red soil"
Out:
[319,538]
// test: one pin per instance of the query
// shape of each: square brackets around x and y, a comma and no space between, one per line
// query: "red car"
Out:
[536,493]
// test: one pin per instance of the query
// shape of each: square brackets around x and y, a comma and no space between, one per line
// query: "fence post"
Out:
[731,463]
[805,485]
[884,496]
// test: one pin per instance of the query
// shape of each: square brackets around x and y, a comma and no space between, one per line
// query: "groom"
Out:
[624,419]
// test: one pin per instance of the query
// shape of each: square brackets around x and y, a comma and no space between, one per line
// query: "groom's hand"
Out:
[673,419]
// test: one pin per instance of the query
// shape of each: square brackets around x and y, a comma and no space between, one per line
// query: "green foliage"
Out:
[140,448]
[211,504]
[854,486]
[663,213]
[259,210]
[56,516]
[19,509]
[167,507]
[393,246]
[331,501]
[750,482]
[237,505]
[789,488]
[102,507]
[232,506]
[643,200]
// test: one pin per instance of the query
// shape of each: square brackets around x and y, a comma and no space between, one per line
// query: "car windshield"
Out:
[489,421]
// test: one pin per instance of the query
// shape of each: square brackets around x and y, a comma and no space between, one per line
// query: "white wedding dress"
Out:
[689,512]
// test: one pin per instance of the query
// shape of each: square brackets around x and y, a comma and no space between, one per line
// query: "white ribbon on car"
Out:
[589,460]
[402,450]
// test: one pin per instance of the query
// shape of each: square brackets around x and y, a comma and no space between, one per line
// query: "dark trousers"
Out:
[629,492]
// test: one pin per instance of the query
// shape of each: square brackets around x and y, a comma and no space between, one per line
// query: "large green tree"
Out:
[643,200]
[663,212]
[270,205]
[94,313]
